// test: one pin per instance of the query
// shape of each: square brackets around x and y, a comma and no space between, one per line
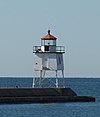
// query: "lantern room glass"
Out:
[48,42]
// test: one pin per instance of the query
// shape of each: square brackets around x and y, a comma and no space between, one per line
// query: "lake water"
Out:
[82,86]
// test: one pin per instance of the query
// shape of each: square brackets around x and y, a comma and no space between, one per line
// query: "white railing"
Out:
[59,49]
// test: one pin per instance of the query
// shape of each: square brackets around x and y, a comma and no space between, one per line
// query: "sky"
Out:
[76,24]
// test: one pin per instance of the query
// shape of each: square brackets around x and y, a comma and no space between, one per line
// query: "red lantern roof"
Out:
[48,36]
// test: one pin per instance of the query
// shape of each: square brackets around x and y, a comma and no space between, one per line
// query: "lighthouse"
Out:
[49,58]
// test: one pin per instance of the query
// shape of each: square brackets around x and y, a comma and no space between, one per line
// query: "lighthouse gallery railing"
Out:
[59,49]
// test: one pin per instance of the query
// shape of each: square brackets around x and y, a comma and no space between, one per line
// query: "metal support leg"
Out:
[56,80]
[44,74]
[63,79]
[40,79]
[33,85]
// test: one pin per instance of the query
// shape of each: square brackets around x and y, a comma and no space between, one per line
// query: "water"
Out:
[83,86]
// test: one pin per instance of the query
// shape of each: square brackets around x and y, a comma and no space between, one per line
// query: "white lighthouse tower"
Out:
[49,57]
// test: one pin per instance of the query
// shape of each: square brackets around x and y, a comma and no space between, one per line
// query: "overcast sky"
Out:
[76,24]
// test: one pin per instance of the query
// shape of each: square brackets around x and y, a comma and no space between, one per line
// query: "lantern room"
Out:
[48,43]
[48,40]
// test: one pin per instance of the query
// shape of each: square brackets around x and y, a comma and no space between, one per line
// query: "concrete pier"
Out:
[40,95]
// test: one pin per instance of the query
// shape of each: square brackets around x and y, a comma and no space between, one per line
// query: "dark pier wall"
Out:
[30,92]
[40,95]
[45,99]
